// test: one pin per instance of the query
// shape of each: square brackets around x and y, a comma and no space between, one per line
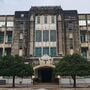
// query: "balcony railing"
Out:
[84,44]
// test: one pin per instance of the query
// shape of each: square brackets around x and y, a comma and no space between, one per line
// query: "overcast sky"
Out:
[10,6]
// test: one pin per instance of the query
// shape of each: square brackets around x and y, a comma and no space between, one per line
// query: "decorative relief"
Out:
[45,60]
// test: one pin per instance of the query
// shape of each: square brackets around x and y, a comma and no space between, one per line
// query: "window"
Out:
[70,22]
[2,23]
[9,38]
[46,35]
[89,37]
[46,50]
[22,22]
[1,52]
[84,52]
[38,36]
[22,15]
[38,52]
[70,29]
[21,44]
[53,51]
[45,19]
[8,51]
[82,22]
[71,43]
[10,24]
[52,19]
[83,37]
[88,22]
[21,35]
[20,52]
[1,38]
[53,35]
[38,19]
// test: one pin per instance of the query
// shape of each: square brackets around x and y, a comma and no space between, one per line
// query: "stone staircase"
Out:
[46,85]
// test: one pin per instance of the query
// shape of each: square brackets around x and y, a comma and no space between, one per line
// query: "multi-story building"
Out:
[6,34]
[43,35]
[84,28]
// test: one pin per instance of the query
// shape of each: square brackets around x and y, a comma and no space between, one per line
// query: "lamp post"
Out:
[59,80]
[32,79]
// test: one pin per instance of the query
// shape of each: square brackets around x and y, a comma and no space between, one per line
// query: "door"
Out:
[45,74]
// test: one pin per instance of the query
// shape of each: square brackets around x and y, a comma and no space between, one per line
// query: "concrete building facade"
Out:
[43,35]
[6,34]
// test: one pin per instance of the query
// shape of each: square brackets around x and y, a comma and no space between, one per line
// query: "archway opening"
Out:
[45,74]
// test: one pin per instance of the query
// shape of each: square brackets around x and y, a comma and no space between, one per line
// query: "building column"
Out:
[60,35]
[4,37]
[32,35]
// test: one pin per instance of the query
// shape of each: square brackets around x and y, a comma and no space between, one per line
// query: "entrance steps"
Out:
[45,85]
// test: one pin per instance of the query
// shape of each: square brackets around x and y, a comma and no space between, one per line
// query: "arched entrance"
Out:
[44,71]
[45,74]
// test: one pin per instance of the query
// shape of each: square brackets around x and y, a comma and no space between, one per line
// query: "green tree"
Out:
[73,65]
[15,66]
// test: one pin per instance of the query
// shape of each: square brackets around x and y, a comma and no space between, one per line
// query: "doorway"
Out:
[45,74]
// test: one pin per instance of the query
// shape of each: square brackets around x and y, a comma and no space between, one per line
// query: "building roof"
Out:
[45,9]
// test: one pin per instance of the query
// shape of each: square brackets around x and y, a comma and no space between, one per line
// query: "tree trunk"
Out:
[13,83]
[74,80]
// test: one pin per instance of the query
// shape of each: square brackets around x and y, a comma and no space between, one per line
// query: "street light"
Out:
[59,79]
[33,77]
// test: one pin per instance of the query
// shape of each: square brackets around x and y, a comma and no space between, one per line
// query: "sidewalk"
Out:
[47,86]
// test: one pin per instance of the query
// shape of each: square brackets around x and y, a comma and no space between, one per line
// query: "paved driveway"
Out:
[45,89]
